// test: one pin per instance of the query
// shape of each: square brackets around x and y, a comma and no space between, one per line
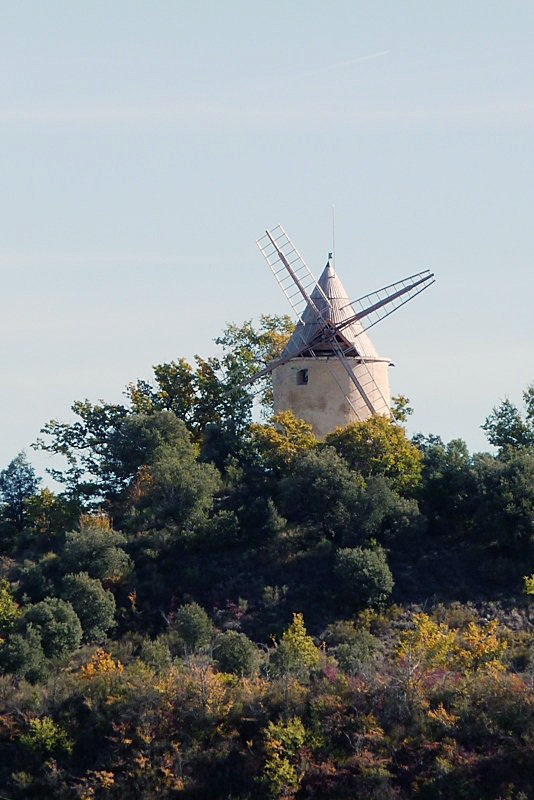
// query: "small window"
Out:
[302,377]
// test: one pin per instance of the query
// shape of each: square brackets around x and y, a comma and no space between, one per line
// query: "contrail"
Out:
[342,64]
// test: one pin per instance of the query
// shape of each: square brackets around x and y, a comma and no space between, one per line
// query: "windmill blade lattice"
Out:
[290,270]
[376,306]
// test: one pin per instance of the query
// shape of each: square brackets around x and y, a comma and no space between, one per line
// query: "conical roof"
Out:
[334,306]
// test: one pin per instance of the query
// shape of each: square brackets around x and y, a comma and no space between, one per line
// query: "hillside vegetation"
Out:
[212,608]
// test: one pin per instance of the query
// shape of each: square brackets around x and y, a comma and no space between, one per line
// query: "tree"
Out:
[50,515]
[175,491]
[507,428]
[389,517]
[94,605]
[284,765]
[448,491]
[322,490]
[9,608]
[105,447]
[193,627]
[212,391]
[57,625]
[297,653]
[505,511]
[96,549]
[236,653]
[379,446]
[364,577]
[18,483]
[280,442]
[249,349]
[108,445]
[354,647]
[21,654]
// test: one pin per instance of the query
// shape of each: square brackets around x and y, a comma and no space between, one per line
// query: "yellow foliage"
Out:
[101,663]
[98,520]
[280,442]
[433,645]
[297,650]
[480,646]
[379,446]
[429,644]
[443,717]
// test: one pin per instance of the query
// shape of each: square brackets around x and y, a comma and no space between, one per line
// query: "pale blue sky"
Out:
[146,145]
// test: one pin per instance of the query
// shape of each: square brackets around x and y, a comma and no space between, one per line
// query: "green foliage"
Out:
[248,348]
[388,517]
[505,510]
[507,428]
[96,549]
[322,490]
[50,515]
[85,444]
[379,446]
[236,653]
[39,579]
[353,646]
[528,584]
[400,408]
[211,392]
[156,654]
[46,736]
[21,655]
[94,605]
[193,627]
[57,625]
[448,493]
[18,483]
[175,492]
[364,577]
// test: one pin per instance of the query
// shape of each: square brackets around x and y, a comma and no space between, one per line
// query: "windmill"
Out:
[330,373]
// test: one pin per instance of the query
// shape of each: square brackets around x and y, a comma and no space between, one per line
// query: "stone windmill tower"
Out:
[330,373]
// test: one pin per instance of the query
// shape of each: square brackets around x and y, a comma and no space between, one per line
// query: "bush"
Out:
[22,655]
[57,625]
[364,576]
[94,605]
[236,653]
[97,549]
[194,627]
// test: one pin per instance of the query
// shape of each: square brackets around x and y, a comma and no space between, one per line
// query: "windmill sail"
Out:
[388,299]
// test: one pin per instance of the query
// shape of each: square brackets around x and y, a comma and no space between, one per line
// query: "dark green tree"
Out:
[193,626]
[504,516]
[322,490]
[176,491]
[96,549]
[57,624]
[18,483]
[363,576]
[94,605]
[21,655]
[236,653]
[506,427]
[448,493]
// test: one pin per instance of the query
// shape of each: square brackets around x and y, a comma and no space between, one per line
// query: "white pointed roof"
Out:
[336,310]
